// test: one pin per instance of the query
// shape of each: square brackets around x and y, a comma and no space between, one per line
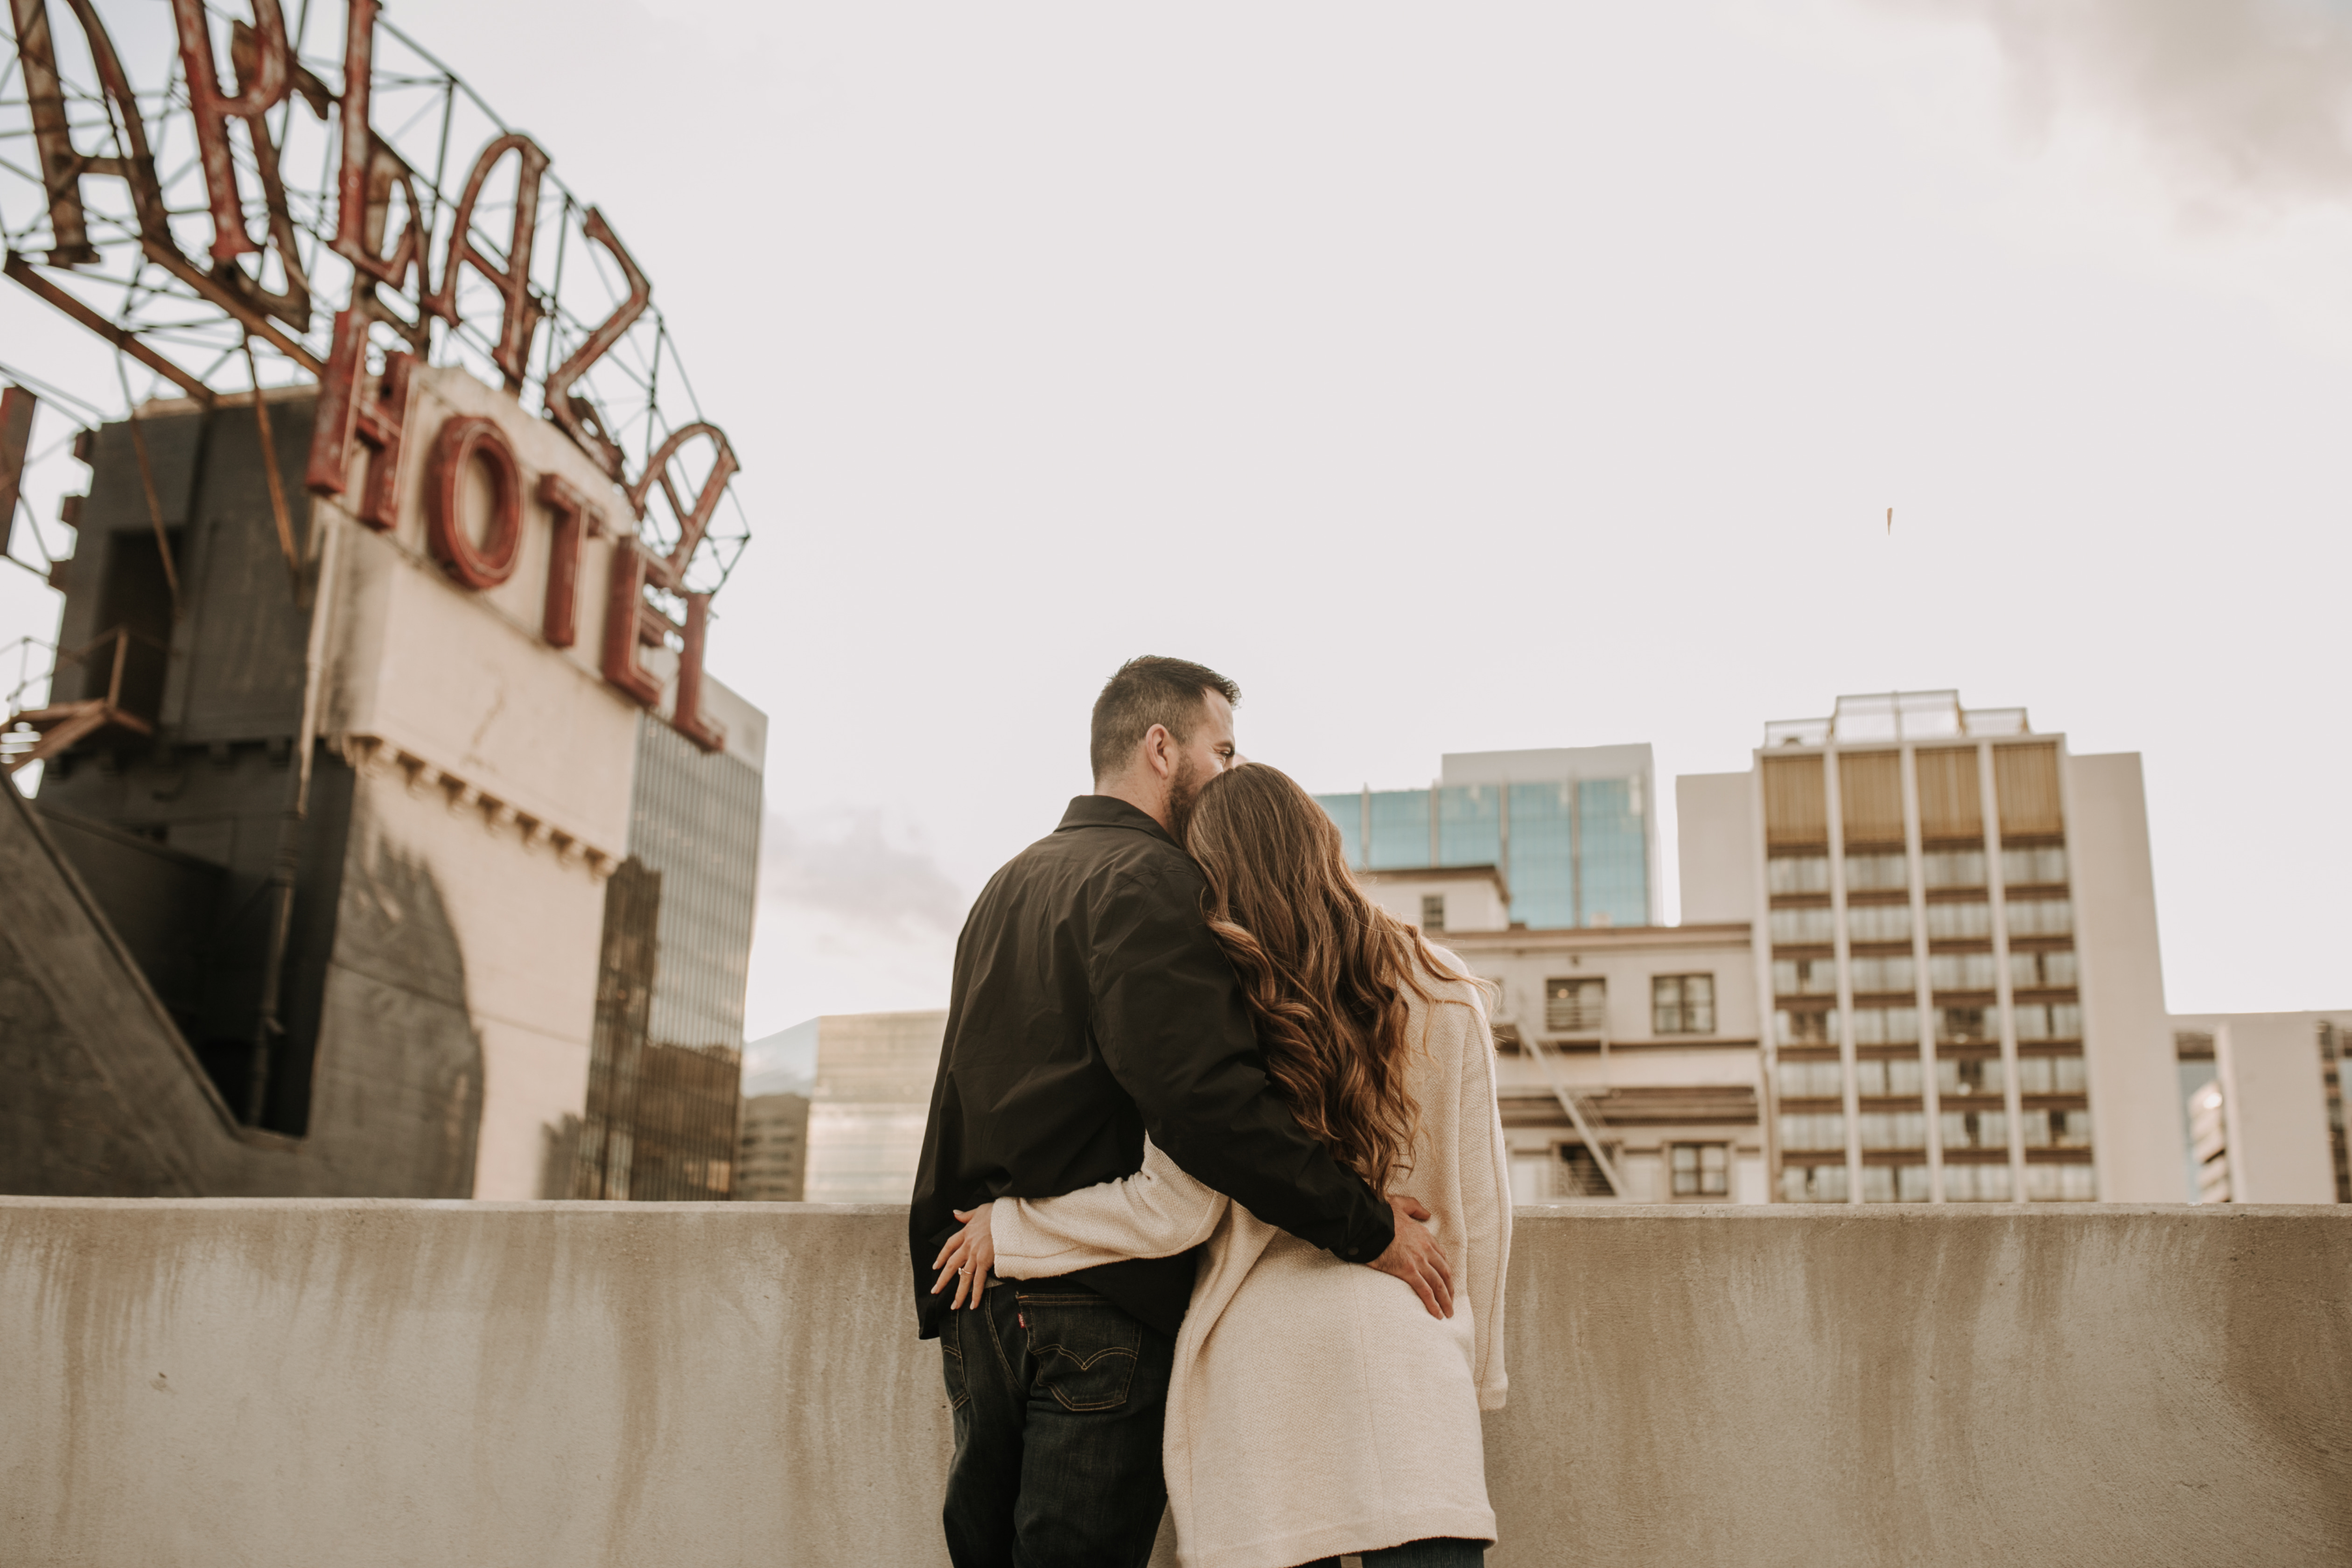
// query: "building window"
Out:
[1976,1183]
[1797,874]
[2041,865]
[1433,911]
[1804,977]
[2061,1183]
[1895,1183]
[1968,1076]
[1885,1026]
[1797,1026]
[1701,1170]
[1804,925]
[1823,1130]
[1890,973]
[2041,970]
[2038,917]
[1976,1129]
[1961,922]
[1876,872]
[1683,1003]
[1954,868]
[2051,1075]
[1812,1184]
[1892,1129]
[1811,1080]
[1575,1007]
[1898,1079]
[1965,971]
[1967,1025]
[1881,922]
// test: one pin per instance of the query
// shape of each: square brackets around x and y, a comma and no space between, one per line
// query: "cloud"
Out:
[848,866]
[856,915]
[2244,105]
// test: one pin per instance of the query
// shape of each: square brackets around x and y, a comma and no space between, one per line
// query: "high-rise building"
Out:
[875,1072]
[1955,923]
[772,1167]
[1572,830]
[664,1069]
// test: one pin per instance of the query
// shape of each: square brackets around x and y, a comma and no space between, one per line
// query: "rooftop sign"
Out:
[259,202]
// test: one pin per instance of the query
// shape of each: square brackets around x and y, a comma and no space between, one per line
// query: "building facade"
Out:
[1572,830]
[2264,1104]
[1953,923]
[1628,1056]
[772,1166]
[387,841]
[874,1073]
[665,1072]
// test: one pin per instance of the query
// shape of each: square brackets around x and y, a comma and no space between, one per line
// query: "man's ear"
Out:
[1159,750]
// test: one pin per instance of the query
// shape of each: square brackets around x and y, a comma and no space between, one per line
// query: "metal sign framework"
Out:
[228,202]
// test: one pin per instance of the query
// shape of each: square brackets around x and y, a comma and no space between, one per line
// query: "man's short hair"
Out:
[1169,692]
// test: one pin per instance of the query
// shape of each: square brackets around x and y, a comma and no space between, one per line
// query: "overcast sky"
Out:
[1469,376]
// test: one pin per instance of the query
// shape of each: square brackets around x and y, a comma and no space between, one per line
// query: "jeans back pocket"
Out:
[1084,1349]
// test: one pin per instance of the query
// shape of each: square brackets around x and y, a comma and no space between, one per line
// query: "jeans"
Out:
[1437,1552]
[1058,1398]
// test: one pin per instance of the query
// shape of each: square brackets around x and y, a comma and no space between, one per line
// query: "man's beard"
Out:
[1184,789]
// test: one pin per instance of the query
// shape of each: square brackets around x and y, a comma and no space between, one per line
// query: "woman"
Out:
[1318,1408]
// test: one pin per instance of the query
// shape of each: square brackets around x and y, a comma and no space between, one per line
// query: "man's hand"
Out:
[1415,1258]
[967,1258]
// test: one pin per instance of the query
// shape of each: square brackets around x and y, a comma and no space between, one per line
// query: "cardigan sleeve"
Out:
[1158,1212]
[1486,1188]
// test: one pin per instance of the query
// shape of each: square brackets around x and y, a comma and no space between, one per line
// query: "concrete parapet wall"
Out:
[359,1382]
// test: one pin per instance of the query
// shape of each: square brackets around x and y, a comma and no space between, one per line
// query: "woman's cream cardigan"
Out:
[1316,1407]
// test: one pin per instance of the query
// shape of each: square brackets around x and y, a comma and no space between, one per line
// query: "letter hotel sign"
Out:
[356,283]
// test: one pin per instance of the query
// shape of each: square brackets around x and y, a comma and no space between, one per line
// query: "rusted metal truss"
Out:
[209,187]
[36,734]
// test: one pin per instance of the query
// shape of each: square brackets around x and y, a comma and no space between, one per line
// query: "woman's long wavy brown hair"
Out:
[1323,969]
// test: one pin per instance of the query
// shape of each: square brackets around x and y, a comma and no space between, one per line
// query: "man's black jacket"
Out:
[1091,1005]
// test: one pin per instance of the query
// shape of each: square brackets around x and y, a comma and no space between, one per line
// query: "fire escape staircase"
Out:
[36,734]
[1582,1117]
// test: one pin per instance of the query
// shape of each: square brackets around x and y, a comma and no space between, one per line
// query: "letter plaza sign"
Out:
[167,213]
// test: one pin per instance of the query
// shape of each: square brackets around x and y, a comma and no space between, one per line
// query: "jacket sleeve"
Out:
[1172,1028]
[1484,1183]
[1159,1212]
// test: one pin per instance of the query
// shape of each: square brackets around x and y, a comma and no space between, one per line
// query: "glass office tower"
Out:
[1571,830]
[666,1066]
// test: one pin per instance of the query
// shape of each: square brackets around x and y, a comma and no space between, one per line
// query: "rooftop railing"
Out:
[1896,716]
[378,1382]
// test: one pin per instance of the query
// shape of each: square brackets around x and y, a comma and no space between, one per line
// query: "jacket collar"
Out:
[1109,811]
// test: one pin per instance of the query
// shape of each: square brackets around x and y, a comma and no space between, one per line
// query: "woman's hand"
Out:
[967,1258]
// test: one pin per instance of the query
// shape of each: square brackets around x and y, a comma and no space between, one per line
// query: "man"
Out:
[1090,1007]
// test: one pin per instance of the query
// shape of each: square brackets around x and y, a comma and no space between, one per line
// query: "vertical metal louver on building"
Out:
[2025,778]
[1951,806]
[1870,797]
[1796,804]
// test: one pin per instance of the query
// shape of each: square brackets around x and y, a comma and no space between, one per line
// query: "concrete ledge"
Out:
[359,1382]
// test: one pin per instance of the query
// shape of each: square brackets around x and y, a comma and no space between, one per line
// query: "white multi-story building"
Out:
[2265,1106]
[1627,1055]
[1955,922]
